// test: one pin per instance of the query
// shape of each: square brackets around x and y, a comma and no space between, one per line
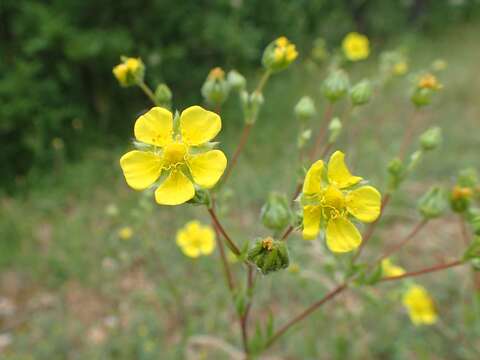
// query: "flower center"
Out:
[333,202]
[174,154]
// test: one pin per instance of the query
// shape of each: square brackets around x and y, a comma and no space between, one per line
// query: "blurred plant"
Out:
[196,239]
[356,46]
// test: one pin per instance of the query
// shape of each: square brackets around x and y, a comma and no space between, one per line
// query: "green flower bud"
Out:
[275,214]
[215,89]
[305,109]
[361,93]
[421,97]
[433,203]
[202,197]
[279,54]
[468,178]
[163,95]
[130,71]
[334,130]
[304,137]
[431,138]
[473,218]
[236,80]
[251,104]
[269,255]
[336,85]
[460,198]
[396,174]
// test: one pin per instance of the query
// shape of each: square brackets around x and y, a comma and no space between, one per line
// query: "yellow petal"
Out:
[191,251]
[175,190]
[208,241]
[198,125]
[338,173]
[155,127]
[182,238]
[364,203]
[342,235]
[311,221]
[313,179]
[207,168]
[140,168]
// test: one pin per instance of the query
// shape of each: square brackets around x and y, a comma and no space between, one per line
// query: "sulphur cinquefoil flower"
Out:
[125,233]
[420,305]
[130,71]
[279,54]
[390,269]
[196,239]
[356,46]
[429,81]
[174,155]
[330,202]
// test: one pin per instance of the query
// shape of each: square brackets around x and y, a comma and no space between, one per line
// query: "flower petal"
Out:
[207,168]
[338,173]
[208,241]
[364,203]
[198,125]
[342,235]
[141,168]
[313,179]
[311,221]
[191,251]
[175,190]
[155,127]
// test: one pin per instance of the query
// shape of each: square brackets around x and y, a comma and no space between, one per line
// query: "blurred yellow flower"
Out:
[390,269]
[196,239]
[216,73]
[284,51]
[331,203]
[125,233]
[459,192]
[400,68]
[356,46]
[128,70]
[429,81]
[420,305]
[180,156]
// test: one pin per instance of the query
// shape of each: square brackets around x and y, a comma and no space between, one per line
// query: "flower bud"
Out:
[431,138]
[269,255]
[236,80]
[396,174]
[473,250]
[215,89]
[279,54]
[336,85]
[460,198]
[130,71]
[433,203]
[425,87]
[275,214]
[202,197]
[251,104]
[473,218]
[468,178]
[305,109]
[334,130]
[163,95]
[361,93]
[304,137]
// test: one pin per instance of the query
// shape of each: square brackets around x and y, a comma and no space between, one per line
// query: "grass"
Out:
[78,291]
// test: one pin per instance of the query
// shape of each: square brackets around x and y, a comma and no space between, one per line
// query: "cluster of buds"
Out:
[276,214]
[215,89]
[424,88]
[269,255]
[279,54]
[336,85]
[463,193]
[130,71]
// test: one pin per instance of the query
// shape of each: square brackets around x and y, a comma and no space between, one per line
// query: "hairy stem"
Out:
[327,118]
[147,92]
[231,245]
[238,150]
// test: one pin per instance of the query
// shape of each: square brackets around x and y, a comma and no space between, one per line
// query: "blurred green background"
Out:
[71,288]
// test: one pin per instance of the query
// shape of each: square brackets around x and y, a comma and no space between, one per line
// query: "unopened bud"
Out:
[251,104]
[304,137]
[163,95]
[202,197]
[269,255]
[236,80]
[431,138]
[334,130]
[305,109]
[215,89]
[433,203]
[468,178]
[396,174]
[130,71]
[460,198]
[361,93]
[279,54]
[336,85]
[275,214]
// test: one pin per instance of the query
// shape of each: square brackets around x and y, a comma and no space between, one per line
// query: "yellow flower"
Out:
[420,305]
[179,156]
[331,203]
[128,71]
[390,269]
[356,46]
[125,233]
[400,68]
[459,192]
[284,51]
[195,239]
[429,81]
[216,74]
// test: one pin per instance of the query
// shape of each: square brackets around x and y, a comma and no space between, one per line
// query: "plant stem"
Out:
[226,266]
[231,245]
[287,232]
[238,150]
[263,81]
[327,118]
[244,317]
[330,295]
[147,91]
[434,268]
[463,231]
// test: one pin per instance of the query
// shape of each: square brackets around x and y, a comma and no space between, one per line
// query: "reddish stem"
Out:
[234,248]
[434,268]
[238,150]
